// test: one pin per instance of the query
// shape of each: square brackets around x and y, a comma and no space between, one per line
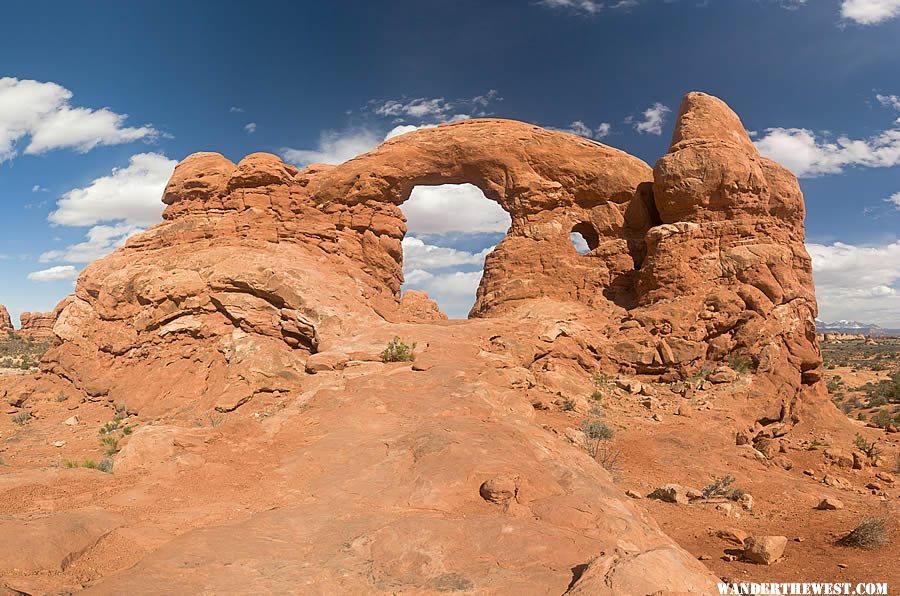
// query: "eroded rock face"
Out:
[698,262]
[6,325]
[37,325]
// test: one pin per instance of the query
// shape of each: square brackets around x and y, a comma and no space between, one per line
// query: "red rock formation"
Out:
[258,266]
[6,325]
[37,326]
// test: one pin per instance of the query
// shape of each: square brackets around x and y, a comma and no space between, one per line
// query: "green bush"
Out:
[740,364]
[22,418]
[397,351]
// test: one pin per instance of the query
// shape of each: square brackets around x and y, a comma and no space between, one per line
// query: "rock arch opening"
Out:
[451,228]
[584,238]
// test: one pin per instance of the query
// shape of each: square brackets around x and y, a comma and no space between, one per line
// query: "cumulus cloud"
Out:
[870,12]
[453,208]
[59,273]
[857,282]
[440,272]
[131,194]
[419,255]
[117,206]
[334,147]
[42,113]
[653,119]
[250,127]
[808,156]
[889,101]
[414,108]
[454,292]
[99,242]
[894,200]
[38,188]
[581,129]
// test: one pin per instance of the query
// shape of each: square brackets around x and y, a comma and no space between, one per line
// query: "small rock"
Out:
[729,558]
[59,444]
[499,489]
[830,504]
[734,535]
[633,387]
[885,477]
[670,493]
[742,438]
[808,472]
[859,461]
[723,374]
[647,390]
[746,501]
[842,565]
[837,481]
[704,558]
[633,494]
[71,421]
[873,486]
[783,462]
[839,457]
[683,410]
[419,366]
[656,418]
[575,436]
[648,402]
[764,550]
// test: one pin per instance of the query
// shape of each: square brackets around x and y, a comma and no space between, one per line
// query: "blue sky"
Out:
[99,103]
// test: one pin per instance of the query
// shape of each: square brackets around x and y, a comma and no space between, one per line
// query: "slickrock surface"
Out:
[270,450]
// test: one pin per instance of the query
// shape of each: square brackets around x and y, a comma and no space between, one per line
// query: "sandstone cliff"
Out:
[6,325]
[37,326]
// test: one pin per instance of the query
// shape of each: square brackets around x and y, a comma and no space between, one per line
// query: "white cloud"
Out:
[654,117]
[334,148]
[800,151]
[100,241]
[894,199]
[870,12]
[453,208]
[236,110]
[131,194]
[38,188]
[250,127]
[857,282]
[454,292]
[889,101]
[579,128]
[59,273]
[41,112]
[585,6]
[579,243]
[405,128]
[419,255]
[414,108]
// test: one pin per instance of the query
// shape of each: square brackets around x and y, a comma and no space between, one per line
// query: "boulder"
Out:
[671,493]
[764,550]
[830,504]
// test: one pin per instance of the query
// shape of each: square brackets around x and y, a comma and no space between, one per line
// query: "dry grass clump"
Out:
[871,533]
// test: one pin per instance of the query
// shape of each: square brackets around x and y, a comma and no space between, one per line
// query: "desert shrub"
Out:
[597,395]
[740,364]
[397,351]
[882,419]
[719,487]
[121,410]
[870,449]
[62,397]
[22,418]
[568,404]
[110,445]
[110,427]
[105,465]
[871,533]
[704,372]
[595,433]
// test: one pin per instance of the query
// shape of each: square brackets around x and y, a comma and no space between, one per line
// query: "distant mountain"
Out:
[854,327]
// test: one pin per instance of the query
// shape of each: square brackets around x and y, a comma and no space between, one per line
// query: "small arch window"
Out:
[584,238]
